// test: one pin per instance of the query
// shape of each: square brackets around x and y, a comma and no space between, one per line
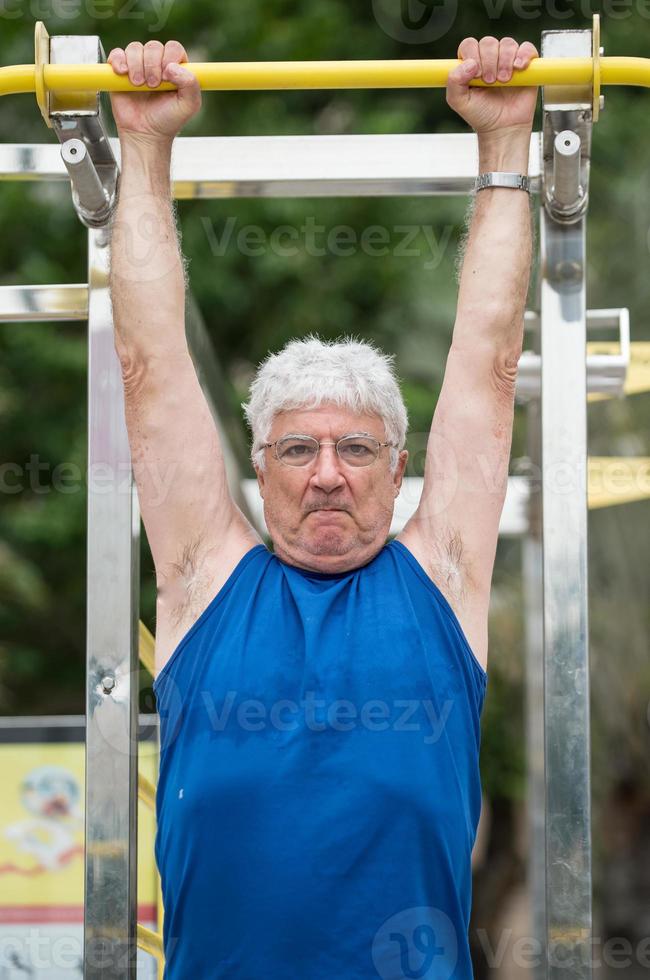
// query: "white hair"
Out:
[308,373]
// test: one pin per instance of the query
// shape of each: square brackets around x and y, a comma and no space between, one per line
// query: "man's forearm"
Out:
[147,277]
[496,265]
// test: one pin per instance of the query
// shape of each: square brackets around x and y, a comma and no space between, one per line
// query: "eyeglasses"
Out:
[356,449]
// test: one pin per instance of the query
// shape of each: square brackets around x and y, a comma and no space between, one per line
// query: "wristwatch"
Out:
[519,182]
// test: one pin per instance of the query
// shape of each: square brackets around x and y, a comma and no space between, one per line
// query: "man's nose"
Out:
[327,474]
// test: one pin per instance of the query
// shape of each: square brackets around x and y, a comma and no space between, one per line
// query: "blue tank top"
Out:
[319,789]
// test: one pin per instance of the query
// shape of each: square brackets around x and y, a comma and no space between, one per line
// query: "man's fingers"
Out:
[460,77]
[527,51]
[135,61]
[468,48]
[152,57]
[174,51]
[495,59]
[489,57]
[153,62]
[117,59]
[508,48]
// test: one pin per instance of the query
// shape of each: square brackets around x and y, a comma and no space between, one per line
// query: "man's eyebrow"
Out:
[352,432]
[358,432]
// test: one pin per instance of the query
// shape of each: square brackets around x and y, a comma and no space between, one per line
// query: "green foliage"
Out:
[502,748]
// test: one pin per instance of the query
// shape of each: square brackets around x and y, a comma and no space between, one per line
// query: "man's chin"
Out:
[328,543]
[325,550]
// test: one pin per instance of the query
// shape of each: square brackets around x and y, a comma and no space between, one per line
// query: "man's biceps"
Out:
[462,442]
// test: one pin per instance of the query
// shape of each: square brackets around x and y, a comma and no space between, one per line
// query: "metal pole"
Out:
[533,598]
[566,661]
[112,643]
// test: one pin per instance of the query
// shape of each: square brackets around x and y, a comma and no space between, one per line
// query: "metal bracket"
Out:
[78,121]
[568,113]
[606,373]
[598,100]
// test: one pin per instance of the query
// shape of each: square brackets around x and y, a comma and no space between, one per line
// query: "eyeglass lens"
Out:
[353,450]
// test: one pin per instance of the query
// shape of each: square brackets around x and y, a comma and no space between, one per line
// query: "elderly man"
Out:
[319,787]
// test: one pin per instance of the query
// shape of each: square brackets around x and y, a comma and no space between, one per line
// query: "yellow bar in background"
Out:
[150,941]
[146,791]
[146,646]
[617,480]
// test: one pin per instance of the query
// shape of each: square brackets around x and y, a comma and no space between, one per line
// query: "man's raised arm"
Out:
[196,532]
[455,529]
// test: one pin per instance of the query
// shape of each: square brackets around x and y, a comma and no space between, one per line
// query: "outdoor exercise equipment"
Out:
[547,512]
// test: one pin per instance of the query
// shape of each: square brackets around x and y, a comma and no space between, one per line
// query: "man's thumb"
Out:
[186,83]
[458,81]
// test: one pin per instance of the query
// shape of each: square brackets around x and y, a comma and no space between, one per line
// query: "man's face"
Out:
[329,516]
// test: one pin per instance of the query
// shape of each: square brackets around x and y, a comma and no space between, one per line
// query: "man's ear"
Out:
[398,475]
[260,480]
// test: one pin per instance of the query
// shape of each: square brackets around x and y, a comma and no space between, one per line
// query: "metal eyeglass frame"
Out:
[349,435]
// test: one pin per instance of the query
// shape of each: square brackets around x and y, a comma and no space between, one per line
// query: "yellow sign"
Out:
[42,833]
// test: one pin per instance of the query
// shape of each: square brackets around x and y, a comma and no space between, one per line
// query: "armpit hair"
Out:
[193,582]
[449,565]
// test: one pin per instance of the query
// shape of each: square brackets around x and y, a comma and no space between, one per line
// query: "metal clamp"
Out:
[76,118]
[568,115]
[90,197]
[567,194]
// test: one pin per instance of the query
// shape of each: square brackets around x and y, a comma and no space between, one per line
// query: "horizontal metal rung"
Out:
[378,165]
[33,304]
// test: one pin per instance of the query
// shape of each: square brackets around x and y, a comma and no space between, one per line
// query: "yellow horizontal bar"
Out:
[617,480]
[266,75]
[19,78]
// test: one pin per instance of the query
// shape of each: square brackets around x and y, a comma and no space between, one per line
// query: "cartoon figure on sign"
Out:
[51,795]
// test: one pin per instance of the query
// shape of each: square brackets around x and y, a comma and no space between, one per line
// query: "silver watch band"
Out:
[492,178]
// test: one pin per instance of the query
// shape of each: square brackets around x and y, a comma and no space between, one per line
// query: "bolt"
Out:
[601,102]
[108,683]
[566,271]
